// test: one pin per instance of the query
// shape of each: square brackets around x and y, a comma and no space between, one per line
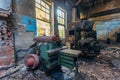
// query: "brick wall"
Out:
[6,44]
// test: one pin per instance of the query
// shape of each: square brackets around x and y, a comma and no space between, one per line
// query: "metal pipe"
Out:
[46,38]
[15,55]
[78,2]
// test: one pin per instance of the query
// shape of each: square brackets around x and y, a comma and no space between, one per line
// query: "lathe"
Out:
[50,55]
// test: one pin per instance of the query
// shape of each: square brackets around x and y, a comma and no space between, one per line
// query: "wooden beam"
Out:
[11,71]
[78,2]
[103,13]
[106,18]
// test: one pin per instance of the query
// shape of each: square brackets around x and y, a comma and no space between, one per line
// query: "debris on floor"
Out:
[98,71]
[105,67]
[21,73]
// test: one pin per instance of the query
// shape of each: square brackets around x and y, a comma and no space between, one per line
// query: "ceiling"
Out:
[87,4]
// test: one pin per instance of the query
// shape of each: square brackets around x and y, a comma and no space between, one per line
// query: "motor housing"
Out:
[31,61]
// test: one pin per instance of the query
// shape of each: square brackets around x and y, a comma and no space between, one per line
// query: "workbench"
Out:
[69,57]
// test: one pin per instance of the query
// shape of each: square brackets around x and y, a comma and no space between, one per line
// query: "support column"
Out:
[55,18]
[74,14]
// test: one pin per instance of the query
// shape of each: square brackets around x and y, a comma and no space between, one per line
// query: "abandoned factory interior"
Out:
[59,39]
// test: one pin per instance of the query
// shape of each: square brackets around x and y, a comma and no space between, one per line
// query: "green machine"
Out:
[47,50]
[69,58]
[50,55]
[48,47]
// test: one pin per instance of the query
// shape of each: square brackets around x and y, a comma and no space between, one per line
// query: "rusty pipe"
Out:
[46,38]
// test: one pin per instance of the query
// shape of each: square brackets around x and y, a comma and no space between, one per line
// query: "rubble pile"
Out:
[21,73]
[97,71]
[105,67]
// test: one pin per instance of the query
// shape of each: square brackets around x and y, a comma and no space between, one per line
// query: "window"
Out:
[5,4]
[61,22]
[42,18]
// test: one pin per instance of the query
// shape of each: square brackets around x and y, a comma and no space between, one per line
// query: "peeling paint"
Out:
[30,23]
[107,29]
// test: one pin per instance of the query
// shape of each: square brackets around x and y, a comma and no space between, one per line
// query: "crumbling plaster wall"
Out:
[26,23]
[25,10]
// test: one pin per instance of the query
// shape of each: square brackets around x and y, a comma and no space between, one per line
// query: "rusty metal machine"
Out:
[47,52]
[50,55]
[85,38]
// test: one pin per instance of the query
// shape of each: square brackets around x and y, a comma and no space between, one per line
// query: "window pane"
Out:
[61,31]
[47,6]
[61,17]
[58,19]
[38,1]
[42,15]
[47,17]
[58,12]
[61,21]
[43,8]
[37,5]
[47,11]
[43,3]
[43,28]
[62,14]
[37,13]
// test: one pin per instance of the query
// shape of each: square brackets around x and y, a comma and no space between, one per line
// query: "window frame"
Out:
[45,20]
[44,11]
[65,20]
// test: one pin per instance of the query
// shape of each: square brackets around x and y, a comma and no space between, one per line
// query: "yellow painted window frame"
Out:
[44,7]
